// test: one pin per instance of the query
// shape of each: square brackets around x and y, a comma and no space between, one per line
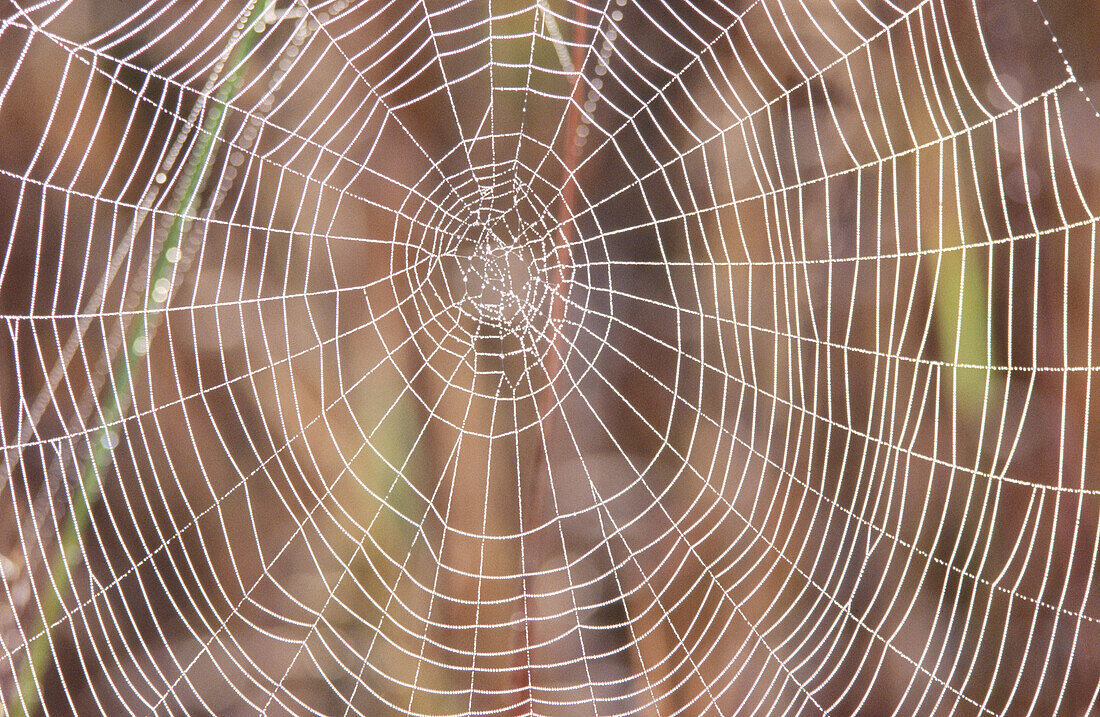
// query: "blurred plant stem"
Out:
[572,60]
[962,324]
[962,309]
[116,403]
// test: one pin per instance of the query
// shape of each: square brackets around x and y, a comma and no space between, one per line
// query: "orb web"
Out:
[548,357]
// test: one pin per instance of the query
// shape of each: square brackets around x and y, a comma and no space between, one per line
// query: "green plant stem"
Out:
[117,401]
[963,326]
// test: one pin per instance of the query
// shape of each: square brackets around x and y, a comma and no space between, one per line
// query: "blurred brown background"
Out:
[811,429]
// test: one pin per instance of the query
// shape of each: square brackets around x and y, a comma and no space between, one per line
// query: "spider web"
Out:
[553,357]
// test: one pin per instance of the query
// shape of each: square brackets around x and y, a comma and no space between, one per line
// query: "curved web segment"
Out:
[552,357]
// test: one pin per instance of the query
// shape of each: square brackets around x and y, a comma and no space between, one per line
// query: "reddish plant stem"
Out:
[563,239]
[553,363]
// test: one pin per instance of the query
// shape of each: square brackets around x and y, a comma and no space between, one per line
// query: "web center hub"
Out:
[502,283]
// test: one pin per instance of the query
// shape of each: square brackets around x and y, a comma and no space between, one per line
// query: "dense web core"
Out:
[548,357]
